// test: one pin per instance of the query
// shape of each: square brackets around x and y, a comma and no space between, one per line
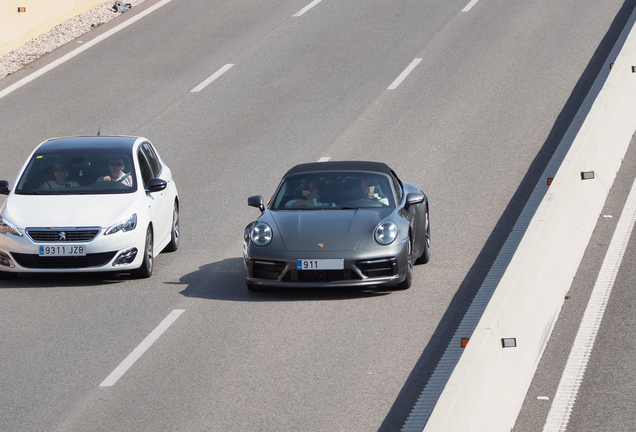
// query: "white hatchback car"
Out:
[89,204]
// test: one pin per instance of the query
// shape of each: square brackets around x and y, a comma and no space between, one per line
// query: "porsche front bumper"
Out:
[380,267]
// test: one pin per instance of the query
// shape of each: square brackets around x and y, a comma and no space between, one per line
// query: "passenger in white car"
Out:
[60,178]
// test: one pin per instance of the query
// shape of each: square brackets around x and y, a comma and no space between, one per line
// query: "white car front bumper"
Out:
[121,251]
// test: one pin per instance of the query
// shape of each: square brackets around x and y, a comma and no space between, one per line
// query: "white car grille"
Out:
[57,235]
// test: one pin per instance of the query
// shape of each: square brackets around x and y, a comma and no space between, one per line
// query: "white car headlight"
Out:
[261,234]
[8,227]
[386,232]
[125,225]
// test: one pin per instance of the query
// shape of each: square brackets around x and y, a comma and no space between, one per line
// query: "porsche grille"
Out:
[267,269]
[378,267]
[275,270]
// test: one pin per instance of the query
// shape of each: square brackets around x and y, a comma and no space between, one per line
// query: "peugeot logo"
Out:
[62,235]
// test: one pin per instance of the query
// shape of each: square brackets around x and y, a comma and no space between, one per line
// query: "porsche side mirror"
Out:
[414,198]
[157,185]
[4,187]
[256,201]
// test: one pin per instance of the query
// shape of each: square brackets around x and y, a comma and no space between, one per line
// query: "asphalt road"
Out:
[473,125]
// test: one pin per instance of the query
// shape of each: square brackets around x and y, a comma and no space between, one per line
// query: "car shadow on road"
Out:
[55,280]
[225,280]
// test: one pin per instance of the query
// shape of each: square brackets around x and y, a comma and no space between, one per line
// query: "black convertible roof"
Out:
[340,166]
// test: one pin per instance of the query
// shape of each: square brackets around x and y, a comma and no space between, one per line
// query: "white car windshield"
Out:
[334,190]
[75,173]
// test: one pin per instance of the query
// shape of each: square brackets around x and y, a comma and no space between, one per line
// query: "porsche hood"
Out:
[343,230]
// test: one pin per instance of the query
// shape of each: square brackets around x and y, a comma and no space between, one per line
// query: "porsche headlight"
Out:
[386,232]
[261,234]
[7,227]
[125,225]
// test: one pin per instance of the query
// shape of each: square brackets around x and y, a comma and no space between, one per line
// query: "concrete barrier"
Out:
[487,387]
[39,16]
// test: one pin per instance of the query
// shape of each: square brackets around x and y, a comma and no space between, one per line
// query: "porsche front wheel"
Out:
[408,280]
[426,253]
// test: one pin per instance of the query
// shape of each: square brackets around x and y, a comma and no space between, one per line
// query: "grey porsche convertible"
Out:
[338,223]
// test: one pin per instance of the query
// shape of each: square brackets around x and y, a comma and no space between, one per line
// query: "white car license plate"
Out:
[63,250]
[320,264]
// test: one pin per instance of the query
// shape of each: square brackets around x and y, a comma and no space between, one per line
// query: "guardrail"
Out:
[487,387]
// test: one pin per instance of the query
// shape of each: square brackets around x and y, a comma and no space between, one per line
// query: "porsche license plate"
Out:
[63,250]
[320,264]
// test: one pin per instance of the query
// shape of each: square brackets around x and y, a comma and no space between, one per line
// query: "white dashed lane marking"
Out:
[143,346]
[211,78]
[404,74]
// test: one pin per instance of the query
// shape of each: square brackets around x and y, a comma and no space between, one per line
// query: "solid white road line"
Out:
[306,8]
[143,346]
[324,159]
[404,74]
[212,77]
[81,49]
[566,393]
[470,5]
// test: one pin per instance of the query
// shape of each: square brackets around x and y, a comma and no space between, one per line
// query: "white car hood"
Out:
[68,210]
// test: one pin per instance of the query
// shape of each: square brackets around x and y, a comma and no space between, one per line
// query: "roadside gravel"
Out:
[59,35]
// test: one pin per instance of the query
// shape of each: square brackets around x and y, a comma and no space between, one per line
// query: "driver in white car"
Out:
[116,168]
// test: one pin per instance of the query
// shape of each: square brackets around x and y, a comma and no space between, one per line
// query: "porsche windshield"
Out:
[334,190]
[74,173]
